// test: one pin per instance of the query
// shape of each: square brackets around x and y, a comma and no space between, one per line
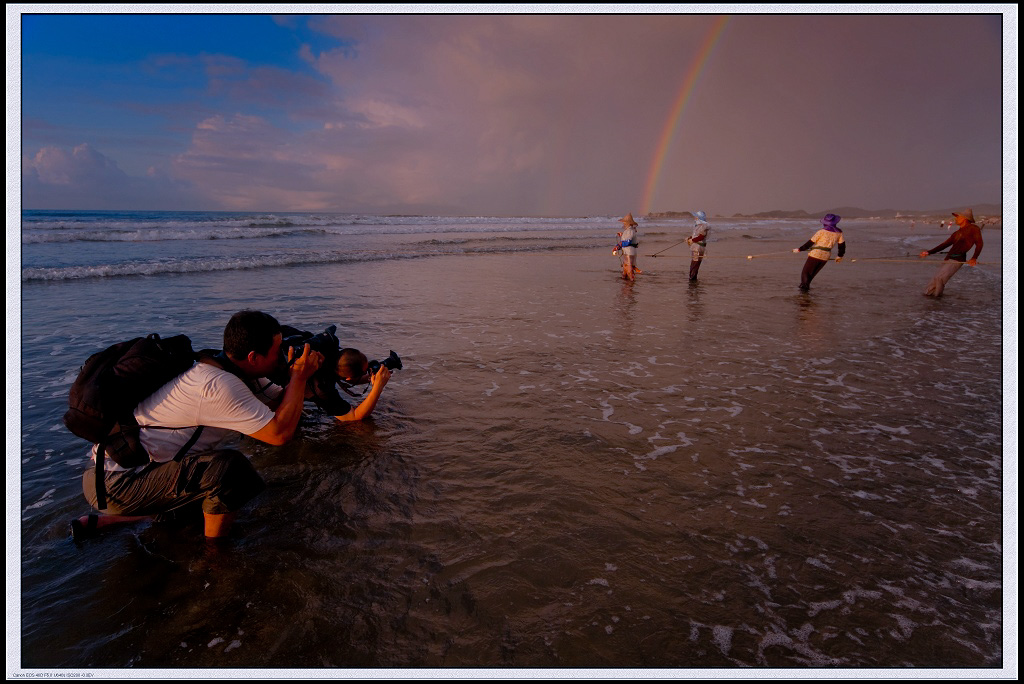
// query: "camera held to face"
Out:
[325,382]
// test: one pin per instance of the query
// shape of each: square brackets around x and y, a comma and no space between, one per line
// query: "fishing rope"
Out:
[906,257]
[915,260]
[783,255]
[767,255]
[668,248]
[721,256]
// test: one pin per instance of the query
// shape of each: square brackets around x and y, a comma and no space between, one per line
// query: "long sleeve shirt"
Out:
[960,242]
[700,234]
[822,242]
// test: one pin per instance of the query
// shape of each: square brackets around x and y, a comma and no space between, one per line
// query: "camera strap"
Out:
[345,387]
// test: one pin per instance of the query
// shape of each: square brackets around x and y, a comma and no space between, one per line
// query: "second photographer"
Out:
[354,368]
[341,367]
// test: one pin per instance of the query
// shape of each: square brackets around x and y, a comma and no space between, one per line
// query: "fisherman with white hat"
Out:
[967,235]
[698,242]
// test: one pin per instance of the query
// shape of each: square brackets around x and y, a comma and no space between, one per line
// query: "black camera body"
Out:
[295,340]
[324,382]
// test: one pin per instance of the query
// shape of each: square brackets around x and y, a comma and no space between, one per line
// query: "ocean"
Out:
[570,471]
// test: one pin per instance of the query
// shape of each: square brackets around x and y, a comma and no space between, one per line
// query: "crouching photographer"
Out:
[342,368]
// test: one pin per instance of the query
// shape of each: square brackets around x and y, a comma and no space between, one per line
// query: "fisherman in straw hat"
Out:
[698,242]
[967,235]
[627,244]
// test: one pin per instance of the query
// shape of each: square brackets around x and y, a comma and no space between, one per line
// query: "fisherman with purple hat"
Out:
[820,246]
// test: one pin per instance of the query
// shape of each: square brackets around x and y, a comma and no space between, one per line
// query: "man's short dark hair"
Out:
[250,331]
[350,363]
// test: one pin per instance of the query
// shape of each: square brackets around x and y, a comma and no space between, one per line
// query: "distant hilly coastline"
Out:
[988,210]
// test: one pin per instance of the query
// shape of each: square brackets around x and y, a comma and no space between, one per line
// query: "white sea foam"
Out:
[819,606]
[722,638]
[46,500]
[970,564]
[151,226]
[661,451]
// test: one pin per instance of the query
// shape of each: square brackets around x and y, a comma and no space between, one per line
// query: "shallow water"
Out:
[570,471]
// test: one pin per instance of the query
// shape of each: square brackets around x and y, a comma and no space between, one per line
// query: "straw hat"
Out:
[966,213]
[628,220]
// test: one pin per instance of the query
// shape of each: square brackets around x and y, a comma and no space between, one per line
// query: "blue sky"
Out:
[508,114]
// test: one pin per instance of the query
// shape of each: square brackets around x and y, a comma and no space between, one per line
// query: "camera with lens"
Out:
[391,363]
[322,384]
[325,382]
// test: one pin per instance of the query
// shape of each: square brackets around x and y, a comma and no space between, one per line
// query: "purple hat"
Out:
[829,221]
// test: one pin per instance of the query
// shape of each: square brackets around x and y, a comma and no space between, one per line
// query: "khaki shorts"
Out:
[223,481]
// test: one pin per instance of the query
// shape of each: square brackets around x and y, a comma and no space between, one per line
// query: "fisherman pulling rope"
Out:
[820,246]
[698,242]
[960,242]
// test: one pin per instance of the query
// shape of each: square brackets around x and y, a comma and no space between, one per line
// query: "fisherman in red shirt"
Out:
[967,235]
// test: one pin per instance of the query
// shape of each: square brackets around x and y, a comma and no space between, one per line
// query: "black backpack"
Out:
[111,384]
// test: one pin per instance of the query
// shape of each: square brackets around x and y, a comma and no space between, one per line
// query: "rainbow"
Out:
[676,114]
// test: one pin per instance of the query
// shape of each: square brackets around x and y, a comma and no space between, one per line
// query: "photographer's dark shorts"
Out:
[223,481]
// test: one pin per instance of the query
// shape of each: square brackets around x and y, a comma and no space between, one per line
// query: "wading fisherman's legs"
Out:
[942,276]
[811,268]
[697,252]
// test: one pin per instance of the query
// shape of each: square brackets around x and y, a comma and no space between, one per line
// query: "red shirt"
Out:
[960,242]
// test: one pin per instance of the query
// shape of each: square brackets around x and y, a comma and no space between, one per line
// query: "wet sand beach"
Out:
[571,471]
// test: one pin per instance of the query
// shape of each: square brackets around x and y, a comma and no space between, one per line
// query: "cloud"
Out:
[263,85]
[492,113]
[83,165]
[84,178]
[561,114]
[245,162]
[375,113]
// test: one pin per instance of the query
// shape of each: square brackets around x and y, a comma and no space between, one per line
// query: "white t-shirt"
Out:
[700,229]
[628,235]
[203,395]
